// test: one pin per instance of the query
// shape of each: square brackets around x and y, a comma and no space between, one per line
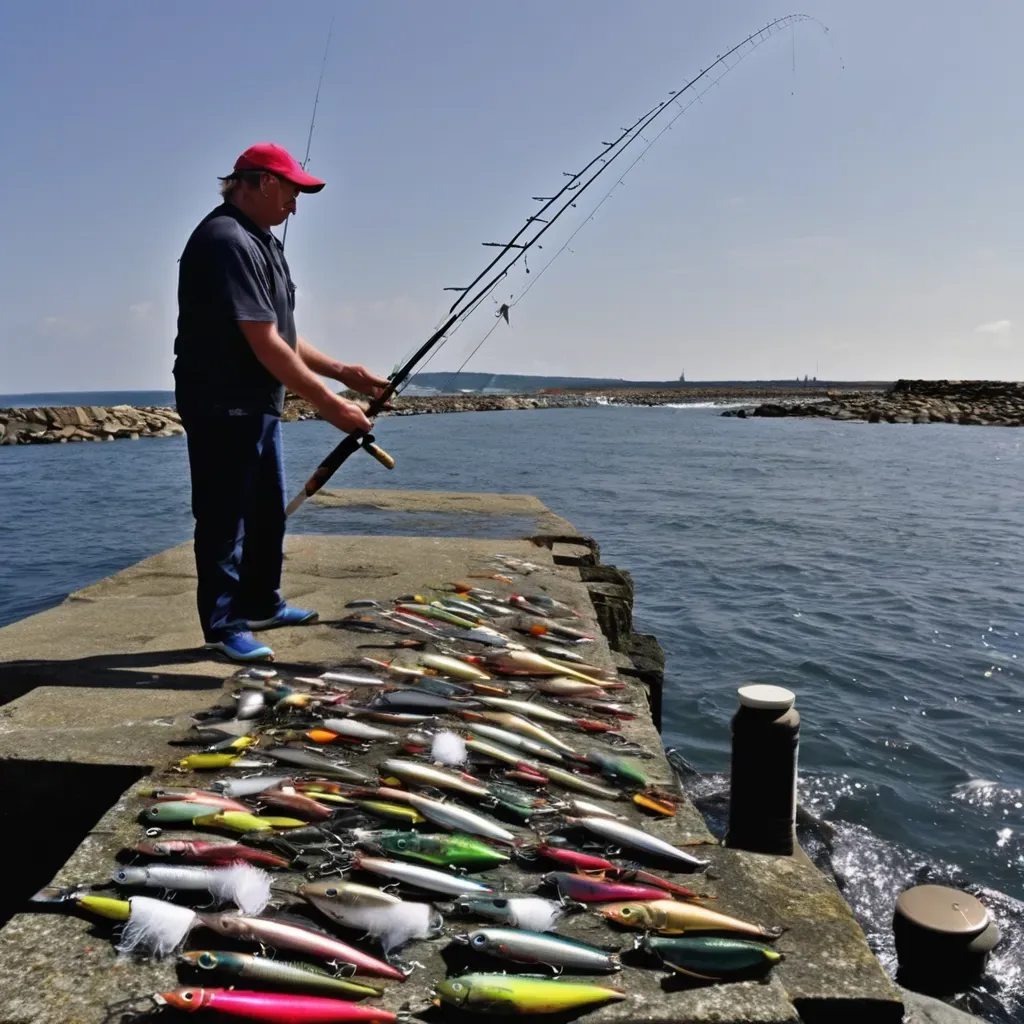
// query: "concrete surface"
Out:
[121,673]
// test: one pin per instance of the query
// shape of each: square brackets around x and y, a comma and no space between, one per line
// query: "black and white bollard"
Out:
[943,939]
[765,744]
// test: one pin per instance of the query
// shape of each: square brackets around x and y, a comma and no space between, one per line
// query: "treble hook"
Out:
[122,1011]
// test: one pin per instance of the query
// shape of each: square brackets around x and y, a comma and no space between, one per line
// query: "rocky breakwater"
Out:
[70,423]
[970,403]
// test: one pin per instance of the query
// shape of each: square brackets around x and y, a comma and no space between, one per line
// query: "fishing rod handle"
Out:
[378,453]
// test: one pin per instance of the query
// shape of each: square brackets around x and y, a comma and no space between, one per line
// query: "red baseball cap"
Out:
[268,156]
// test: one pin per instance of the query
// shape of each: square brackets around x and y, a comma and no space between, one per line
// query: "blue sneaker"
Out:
[287,616]
[241,646]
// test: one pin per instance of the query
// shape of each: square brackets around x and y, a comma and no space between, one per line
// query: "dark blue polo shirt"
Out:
[231,270]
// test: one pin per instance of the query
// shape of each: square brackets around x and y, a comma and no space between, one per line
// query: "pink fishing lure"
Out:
[274,1007]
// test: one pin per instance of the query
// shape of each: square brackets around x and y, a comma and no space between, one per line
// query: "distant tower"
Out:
[682,377]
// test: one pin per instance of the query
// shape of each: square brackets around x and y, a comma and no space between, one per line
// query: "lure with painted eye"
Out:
[202,851]
[415,701]
[515,741]
[631,874]
[274,1007]
[277,973]
[531,913]
[585,889]
[570,780]
[529,709]
[673,917]
[539,948]
[269,932]
[176,812]
[511,994]
[710,957]
[560,686]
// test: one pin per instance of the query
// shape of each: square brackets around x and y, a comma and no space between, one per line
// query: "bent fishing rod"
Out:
[510,253]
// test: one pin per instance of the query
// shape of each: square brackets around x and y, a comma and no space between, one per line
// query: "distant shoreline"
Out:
[965,402]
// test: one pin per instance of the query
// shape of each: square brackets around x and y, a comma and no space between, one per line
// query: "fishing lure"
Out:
[585,889]
[522,947]
[638,875]
[235,821]
[559,686]
[206,762]
[299,804]
[279,974]
[391,812]
[245,886]
[416,701]
[392,921]
[568,857]
[360,732]
[250,786]
[428,776]
[511,994]
[571,780]
[351,678]
[194,796]
[659,805]
[452,851]
[458,819]
[453,667]
[616,769]
[588,809]
[674,917]
[518,724]
[515,741]
[314,761]
[531,913]
[285,935]
[420,877]
[710,957]
[626,835]
[272,1007]
[528,709]
[175,812]
[225,851]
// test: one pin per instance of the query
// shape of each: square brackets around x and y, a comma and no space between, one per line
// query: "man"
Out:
[236,351]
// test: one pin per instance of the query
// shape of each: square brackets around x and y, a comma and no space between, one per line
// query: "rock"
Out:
[97,412]
[133,436]
[922,417]
[68,431]
[35,416]
[3,430]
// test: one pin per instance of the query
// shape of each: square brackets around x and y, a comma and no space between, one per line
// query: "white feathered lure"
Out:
[448,748]
[245,886]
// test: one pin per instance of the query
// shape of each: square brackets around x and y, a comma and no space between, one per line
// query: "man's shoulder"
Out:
[219,231]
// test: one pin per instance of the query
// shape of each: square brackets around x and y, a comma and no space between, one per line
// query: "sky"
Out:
[844,205]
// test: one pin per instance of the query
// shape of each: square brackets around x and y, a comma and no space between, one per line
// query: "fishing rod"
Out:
[312,119]
[513,251]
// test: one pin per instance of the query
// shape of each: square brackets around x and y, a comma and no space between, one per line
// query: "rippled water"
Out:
[877,570]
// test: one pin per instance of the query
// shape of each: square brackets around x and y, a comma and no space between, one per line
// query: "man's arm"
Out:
[358,378]
[276,355]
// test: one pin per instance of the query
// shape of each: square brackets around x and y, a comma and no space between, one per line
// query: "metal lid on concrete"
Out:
[766,697]
[939,908]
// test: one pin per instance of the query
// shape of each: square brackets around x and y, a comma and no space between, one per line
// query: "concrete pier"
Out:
[95,689]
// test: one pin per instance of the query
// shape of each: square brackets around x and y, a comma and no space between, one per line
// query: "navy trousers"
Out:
[238,500]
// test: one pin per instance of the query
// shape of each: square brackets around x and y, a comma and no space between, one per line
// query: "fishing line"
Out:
[698,96]
[312,119]
[513,251]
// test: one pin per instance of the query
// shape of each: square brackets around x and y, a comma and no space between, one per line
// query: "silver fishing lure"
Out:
[459,819]
[522,947]
[428,776]
[511,739]
[626,835]
[420,877]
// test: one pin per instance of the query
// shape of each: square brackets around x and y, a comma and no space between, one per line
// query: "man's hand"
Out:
[343,414]
[358,378]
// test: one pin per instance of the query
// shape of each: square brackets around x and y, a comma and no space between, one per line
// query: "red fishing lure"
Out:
[202,851]
[274,1007]
[585,889]
[574,858]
